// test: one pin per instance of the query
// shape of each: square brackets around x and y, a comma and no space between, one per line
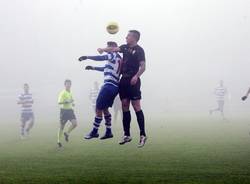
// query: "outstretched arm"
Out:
[100,69]
[109,49]
[95,58]
[245,97]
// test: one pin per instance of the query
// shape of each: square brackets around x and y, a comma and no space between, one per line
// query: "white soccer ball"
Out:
[112,28]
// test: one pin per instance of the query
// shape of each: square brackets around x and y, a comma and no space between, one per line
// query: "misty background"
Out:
[190,45]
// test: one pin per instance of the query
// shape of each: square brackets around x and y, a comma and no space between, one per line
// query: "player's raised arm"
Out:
[109,49]
[97,58]
[100,69]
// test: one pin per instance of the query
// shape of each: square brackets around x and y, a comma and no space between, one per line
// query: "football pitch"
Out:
[198,150]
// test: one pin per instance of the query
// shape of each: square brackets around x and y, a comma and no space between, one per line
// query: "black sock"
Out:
[126,123]
[141,123]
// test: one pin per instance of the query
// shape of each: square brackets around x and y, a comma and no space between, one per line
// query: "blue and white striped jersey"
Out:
[27,102]
[112,68]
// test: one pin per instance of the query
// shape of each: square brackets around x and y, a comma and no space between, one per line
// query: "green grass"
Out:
[186,151]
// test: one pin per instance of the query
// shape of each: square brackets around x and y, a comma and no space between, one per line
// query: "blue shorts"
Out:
[27,116]
[106,96]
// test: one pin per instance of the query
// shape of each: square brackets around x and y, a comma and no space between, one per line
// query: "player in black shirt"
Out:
[133,67]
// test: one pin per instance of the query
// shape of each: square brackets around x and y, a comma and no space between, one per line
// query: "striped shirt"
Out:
[220,93]
[112,68]
[27,102]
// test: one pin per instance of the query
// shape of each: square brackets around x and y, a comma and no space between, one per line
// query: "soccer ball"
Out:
[112,28]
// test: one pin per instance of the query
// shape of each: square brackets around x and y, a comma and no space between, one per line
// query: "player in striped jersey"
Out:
[108,91]
[220,92]
[94,94]
[27,115]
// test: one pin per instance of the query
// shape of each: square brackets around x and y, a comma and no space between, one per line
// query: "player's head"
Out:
[67,84]
[133,37]
[26,87]
[221,83]
[112,44]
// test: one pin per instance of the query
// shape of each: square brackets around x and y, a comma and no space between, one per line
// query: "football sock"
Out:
[126,123]
[96,124]
[141,123]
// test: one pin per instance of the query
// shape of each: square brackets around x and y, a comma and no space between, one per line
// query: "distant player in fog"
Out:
[220,92]
[117,107]
[27,115]
[93,95]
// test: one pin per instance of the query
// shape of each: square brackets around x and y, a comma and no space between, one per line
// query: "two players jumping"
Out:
[131,66]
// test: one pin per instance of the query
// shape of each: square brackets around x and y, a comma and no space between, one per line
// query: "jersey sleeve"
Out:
[122,48]
[60,98]
[141,55]
[110,56]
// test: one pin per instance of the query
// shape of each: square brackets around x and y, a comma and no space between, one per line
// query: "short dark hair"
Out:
[66,81]
[136,33]
[112,44]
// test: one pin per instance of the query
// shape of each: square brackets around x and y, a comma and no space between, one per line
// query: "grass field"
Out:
[188,150]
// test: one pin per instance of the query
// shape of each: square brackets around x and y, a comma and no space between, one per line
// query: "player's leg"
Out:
[136,103]
[221,107]
[109,95]
[22,128]
[98,115]
[72,118]
[126,120]
[141,121]
[216,109]
[96,124]
[125,100]
[31,124]
[60,133]
[108,118]
[63,121]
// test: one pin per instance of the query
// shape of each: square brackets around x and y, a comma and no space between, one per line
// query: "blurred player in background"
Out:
[27,115]
[66,101]
[108,91]
[93,95]
[220,92]
[117,107]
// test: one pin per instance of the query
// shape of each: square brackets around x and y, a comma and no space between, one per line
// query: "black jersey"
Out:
[132,56]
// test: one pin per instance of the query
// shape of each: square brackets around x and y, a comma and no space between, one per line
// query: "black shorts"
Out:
[128,91]
[67,115]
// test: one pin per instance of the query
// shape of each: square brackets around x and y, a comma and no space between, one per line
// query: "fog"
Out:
[190,46]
